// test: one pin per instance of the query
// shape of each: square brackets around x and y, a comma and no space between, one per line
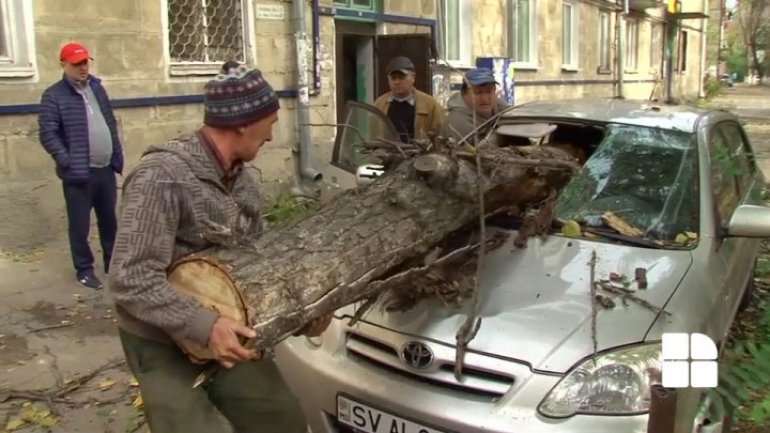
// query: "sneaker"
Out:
[90,281]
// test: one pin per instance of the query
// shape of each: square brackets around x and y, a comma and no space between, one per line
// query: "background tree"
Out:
[753,19]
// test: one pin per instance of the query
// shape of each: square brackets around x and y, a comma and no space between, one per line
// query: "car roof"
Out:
[607,110]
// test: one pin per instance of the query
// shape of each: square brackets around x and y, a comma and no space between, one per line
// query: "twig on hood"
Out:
[628,296]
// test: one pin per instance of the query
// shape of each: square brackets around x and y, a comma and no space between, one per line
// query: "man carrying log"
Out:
[185,196]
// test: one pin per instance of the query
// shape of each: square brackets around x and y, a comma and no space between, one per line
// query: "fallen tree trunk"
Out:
[374,239]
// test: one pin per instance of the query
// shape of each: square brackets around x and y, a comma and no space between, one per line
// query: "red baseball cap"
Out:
[74,53]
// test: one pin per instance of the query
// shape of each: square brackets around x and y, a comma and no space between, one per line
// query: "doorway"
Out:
[361,57]
[355,63]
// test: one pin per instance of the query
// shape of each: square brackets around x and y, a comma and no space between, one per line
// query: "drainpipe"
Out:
[703,27]
[316,48]
[306,170]
[621,28]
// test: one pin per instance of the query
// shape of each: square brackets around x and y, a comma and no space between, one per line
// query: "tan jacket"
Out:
[429,115]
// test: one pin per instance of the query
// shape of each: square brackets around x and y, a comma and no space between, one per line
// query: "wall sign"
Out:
[271,12]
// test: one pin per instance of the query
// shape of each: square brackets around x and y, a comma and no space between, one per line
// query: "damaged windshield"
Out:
[642,179]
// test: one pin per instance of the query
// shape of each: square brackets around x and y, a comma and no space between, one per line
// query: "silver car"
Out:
[683,195]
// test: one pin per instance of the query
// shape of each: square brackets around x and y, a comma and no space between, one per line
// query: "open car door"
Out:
[362,123]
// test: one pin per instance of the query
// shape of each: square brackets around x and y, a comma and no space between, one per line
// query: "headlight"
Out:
[613,383]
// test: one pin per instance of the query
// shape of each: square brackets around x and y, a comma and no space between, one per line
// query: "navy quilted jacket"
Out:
[63,125]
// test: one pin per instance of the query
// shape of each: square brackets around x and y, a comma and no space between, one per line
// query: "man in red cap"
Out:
[78,129]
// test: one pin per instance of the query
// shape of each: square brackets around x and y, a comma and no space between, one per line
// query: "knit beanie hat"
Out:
[239,98]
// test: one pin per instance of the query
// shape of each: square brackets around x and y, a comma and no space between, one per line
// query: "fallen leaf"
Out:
[571,229]
[47,422]
[133,382]
[681,238]
[106,384]
[138,402]
[14,424]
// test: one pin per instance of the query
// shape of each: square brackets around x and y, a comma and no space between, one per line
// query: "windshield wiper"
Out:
[613,234]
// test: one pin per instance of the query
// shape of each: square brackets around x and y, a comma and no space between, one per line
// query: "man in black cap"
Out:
[479,94]
[415,114]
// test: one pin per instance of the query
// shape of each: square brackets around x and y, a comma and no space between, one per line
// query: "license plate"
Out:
[367,419]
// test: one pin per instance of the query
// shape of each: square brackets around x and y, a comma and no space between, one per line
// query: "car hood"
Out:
[535,306]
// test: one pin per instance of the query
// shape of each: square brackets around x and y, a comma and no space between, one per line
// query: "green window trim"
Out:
[359,5]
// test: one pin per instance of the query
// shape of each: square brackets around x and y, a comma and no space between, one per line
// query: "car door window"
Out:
[740,153]
[724,177]
[363,124]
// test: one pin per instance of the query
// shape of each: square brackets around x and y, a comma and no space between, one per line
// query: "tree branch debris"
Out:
[59,394]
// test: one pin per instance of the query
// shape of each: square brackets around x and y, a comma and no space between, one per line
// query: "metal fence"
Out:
[205,31]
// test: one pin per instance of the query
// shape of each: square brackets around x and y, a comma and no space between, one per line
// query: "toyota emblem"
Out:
[417,355]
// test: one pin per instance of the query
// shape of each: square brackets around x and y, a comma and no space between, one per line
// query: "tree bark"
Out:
[372,239]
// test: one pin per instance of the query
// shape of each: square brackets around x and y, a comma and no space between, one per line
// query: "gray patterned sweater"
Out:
[175,202]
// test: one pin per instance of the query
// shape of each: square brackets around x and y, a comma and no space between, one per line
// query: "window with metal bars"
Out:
[205,32]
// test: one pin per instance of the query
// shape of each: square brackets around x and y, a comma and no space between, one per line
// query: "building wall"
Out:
[549,80]
[128,42]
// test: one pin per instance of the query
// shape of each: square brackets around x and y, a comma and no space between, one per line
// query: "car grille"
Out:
[482,376]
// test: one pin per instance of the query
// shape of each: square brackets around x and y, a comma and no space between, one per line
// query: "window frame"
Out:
[207,69]
[742,151]
[605,43]
[656,51]
[720,220]
[681,60]
[532,61]
[573,48]
[631,61]
[464,34]
[16,24]
[373,5]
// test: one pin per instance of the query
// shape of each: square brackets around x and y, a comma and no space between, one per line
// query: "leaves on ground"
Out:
[106,384]
[31,414]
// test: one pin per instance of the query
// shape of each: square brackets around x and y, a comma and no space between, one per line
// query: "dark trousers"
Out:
[99,194]
[252,396]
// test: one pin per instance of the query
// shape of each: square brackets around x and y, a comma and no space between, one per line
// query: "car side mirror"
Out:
[749,221]
[367,173]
